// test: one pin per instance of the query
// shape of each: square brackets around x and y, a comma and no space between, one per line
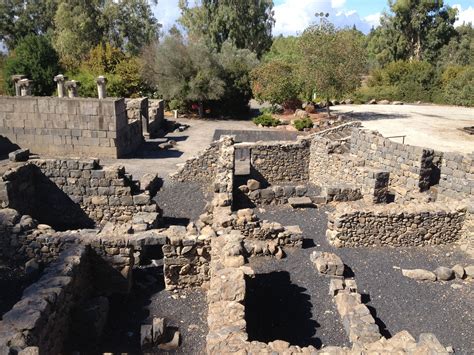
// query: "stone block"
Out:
[300,202]
[19,155]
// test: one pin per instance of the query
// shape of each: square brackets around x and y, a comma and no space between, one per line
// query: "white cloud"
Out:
[464,16]
[336,4]
[293,16]
[373,19]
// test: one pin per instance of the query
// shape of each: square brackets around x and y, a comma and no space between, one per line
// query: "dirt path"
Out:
[430,126]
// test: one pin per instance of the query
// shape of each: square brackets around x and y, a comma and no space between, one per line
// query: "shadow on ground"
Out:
[277,309]
[372,116]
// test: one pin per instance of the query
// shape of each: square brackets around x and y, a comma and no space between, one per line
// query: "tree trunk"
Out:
[327,107]
[201,109]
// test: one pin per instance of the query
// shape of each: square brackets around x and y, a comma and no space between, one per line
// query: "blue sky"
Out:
[293,16]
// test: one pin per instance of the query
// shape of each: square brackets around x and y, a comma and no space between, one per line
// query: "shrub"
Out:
[36,58]
[401,80]
[303,123]
[459,90]
[266,120]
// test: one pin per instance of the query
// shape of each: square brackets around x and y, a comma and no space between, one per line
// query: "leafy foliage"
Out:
[191,71]
[19,18]
[303,123]
[246,24]
[124,73]
[332,61]
[36,58]
[276,82]
[458,88]
[266,120]
[413,30]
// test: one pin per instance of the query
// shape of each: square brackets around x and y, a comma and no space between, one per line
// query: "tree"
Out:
[332,61]
[186,71]
[414,30]
[460,49]
[284,49]
[130,24]
[19,18]
[77,30]
[123,72]
[276,82]
[36,58]
[247,24]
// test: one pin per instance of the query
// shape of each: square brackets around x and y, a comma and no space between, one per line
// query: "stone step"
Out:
[300,202]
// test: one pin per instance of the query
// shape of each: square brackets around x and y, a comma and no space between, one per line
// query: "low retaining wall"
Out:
[412,224]
[70,126]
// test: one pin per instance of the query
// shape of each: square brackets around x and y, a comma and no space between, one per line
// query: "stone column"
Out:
[25,87]
[60,79]
[101,90]
[72,87]
[16,79]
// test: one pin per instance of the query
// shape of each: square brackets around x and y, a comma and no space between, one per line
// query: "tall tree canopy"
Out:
[19,18]
[246,24]
[332,61]
[413,30]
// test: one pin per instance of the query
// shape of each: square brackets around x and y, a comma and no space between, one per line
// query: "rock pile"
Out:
[441,273]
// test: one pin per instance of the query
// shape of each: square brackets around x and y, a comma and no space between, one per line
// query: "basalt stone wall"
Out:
[100,195]
[42,318]
[410,167]
[278,162]
[156,116]
[413,224]
[69,126]
[457,176]
[201,168]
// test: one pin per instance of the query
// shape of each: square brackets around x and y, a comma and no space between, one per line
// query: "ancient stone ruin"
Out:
[82,231]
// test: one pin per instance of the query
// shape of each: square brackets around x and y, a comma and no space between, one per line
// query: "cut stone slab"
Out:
[300,202]
[19,155]
[328,263]
[419,274]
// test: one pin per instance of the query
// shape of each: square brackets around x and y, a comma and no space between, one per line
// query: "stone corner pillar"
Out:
[72,87]
[16,79]
[101,86]
[60,80]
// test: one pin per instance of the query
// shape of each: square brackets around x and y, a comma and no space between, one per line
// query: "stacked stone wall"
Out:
[104,194]
[69,126]
[457,176]
[413,224]
[410,167]
[201,168]
[42,318]
[280,162]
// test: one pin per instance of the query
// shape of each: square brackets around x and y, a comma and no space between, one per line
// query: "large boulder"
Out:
[419,274]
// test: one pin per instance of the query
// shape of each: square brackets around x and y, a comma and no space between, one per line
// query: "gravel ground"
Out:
[181,202]
[12,283]
[398,303]
[186,310]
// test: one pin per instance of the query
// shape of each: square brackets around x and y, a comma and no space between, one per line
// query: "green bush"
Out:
[401,80]
[303,123]
[266,120]
[36,58]
[459,89]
